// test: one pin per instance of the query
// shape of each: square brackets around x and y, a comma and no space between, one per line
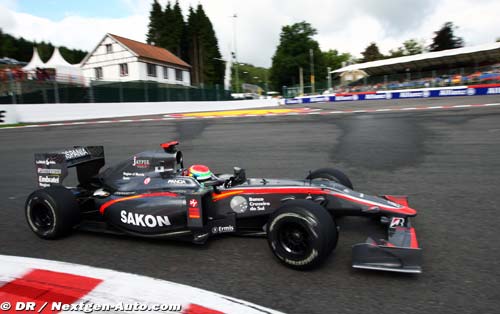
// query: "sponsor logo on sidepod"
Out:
[142,220]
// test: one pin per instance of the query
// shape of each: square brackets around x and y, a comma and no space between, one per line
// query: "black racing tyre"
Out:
[52,212]
[331,174]
[301,234]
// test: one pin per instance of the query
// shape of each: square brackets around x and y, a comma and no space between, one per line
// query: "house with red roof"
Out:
[117,58]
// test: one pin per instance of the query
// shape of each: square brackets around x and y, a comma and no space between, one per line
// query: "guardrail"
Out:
[472,90]
[84,111]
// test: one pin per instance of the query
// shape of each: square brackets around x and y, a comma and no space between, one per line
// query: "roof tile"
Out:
[150,51]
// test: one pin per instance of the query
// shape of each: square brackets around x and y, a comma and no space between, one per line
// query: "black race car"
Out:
[152,195]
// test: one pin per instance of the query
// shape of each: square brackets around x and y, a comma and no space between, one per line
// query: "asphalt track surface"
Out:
[448,162]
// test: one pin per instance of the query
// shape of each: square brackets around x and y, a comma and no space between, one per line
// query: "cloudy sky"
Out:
[345,25]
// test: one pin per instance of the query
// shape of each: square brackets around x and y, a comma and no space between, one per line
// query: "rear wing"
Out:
[52,168]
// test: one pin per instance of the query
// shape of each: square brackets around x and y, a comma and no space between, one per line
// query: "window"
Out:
[109,48]
[178,75]
[98,73]
[165,73]
[123,69]
[151,69]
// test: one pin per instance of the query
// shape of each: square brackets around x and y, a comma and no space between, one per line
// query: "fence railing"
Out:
[407,80]
[25,91]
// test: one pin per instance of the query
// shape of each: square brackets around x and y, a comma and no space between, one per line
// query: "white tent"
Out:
[62,67]
[35,62]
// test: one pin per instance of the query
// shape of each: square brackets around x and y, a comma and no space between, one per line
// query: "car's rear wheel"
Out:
[52,212]
[331,174]
[301,234]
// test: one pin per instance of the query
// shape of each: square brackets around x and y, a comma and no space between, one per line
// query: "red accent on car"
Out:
[169,144]
[46,287]
[194,212]
[398,199]
[413,239]
[313,191]
[223,195]
[156,194]
[404,210]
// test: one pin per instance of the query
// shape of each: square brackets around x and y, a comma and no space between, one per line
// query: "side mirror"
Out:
[215,184]
[239,175]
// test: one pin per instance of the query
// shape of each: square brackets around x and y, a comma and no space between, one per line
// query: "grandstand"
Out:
[467,65]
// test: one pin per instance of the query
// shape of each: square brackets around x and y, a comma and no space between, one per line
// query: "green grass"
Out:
[11,125]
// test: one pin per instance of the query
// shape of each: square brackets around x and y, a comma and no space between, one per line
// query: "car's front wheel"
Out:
[301,234]
[331,174]
[52,212]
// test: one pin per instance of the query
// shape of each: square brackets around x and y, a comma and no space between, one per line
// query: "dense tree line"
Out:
[22,49]
[297,40]
[193,40]
[444,39]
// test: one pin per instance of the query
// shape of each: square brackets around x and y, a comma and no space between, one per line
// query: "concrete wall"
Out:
[8,114]
[84,111]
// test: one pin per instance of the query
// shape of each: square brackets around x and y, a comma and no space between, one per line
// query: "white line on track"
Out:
[462,106]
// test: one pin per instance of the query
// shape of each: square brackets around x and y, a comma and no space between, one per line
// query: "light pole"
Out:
[311,55]
[235,55]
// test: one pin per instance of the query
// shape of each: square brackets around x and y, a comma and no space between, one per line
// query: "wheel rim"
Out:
[294,239]
[42,217]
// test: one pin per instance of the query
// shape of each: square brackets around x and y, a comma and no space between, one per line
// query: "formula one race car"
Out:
[152,195]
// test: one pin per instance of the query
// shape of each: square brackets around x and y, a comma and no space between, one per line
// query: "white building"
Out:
[121,59]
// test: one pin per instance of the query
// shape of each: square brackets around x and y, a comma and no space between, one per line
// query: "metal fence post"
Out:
[217,96]
[91,93]
[146,96]
[12,91]
[121,91]
[44,94]
[56,92]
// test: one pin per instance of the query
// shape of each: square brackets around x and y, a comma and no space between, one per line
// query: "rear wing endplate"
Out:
[52,168]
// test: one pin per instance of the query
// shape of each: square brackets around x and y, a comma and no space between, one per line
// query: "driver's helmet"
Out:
[200,172]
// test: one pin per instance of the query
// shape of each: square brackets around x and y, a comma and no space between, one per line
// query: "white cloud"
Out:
[348,26]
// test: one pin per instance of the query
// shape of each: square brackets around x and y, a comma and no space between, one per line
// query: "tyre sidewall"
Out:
[320,229]
[331,174]
[39,197]
[63,207]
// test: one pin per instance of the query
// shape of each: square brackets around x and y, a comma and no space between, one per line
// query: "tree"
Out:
[292,53]
[413,47]
[177,30]
[399,52]
[445,38]
[172,29]
[250,74]
[372,53]
[410,47]
[203,49]
[155,24]
[334,60]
